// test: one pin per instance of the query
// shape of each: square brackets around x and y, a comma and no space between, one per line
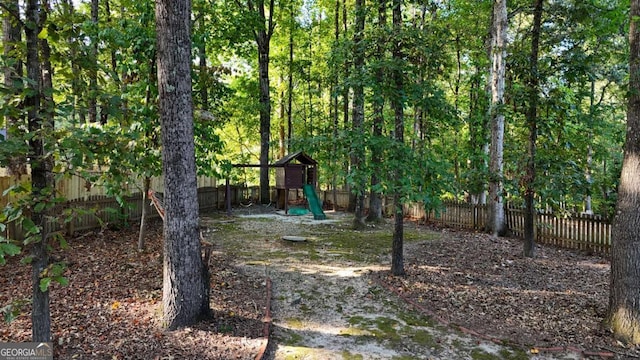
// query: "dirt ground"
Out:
[465,296]
[111,307]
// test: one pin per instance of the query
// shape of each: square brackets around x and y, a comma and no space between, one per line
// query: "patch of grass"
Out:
[349,290]
[403,357]
[504,354]
[346,355]
[477,354]
[289,338]
[416,319]
[423,338]
[513,354]
[381,327]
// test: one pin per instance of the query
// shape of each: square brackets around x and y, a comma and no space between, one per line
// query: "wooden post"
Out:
[227,197]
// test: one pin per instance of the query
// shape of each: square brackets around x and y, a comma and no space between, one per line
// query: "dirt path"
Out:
[324,304]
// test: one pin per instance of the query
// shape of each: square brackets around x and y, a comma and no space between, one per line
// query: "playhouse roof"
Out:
[300,156]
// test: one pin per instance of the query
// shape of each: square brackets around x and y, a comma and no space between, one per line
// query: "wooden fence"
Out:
[590,233]
[574,231]
[98,211]
[584,232]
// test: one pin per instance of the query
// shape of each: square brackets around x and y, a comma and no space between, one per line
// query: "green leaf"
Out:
[44,33]
[29,226]
[9,249]
[39,207]
[44,284]
[61,280]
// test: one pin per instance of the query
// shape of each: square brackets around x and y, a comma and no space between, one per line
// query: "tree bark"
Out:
[530,178]
[375,197]
[93,70]
[143,217]
[357,145]
[185,287]
[11,38]
[397,251]
[41,175]
[263,39]
[334,97]
[498,54]
[623,317]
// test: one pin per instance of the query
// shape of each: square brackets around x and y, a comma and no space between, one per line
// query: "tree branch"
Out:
[13,13]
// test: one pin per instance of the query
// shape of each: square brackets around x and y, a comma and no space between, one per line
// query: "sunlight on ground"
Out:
[333,271]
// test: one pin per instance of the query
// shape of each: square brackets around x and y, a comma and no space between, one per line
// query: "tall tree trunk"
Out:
[11,38]
[530,178]
[76,83]
[357,145]
[397,251]
[41,175]
[588,173]
[375,197]
[624,300]
[290,82]
[146,186]
[263,39]
[498,54]
[351,206]
[93,69]
[334,96]
[282,140]
[185,287]
[203,70]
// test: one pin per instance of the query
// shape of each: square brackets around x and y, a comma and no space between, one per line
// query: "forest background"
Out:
[322,61]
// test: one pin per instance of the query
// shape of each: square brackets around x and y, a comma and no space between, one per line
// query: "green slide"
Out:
[314,202]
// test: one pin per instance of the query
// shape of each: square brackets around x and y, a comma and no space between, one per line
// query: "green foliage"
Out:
[53,274]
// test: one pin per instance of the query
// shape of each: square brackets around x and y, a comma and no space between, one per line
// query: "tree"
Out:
[533,88]
[39,107]
[262,34]
[623,317]
[11,38]
[185,289]
[357,145]
[397,256]
[499,25]
[375,198]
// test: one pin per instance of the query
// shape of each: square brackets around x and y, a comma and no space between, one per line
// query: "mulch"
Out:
[484,286]
[112,305]
[469,281]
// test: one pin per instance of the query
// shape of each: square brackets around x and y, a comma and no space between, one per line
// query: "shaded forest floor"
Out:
[484,286]
[112,305]
[111,309]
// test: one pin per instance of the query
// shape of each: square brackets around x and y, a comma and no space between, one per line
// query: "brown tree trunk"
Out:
[11,38]
[143,217]
[290,83]
[397,251]
[93,70]
[357,145]
[263,39]
[497,221]
[624,300]
[375,197]
[185,287]
[529,194]
[41,175]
